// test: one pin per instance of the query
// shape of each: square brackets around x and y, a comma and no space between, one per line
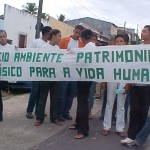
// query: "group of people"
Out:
[117,96]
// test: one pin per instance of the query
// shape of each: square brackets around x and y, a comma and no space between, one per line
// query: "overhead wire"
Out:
[88,10]
[76,9]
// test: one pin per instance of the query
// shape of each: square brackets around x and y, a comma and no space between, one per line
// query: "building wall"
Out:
[113,29]
[1,24]
[105,28]
[65,29]
[19,22]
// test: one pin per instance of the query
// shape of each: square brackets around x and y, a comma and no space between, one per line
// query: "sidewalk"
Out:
[19,133]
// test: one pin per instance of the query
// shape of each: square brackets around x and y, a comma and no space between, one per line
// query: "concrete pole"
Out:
[38,25]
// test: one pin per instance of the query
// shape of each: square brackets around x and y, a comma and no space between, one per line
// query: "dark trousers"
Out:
[139,106]
[34,97]
[45,86]
[67,92]
[83,90]
[1,105]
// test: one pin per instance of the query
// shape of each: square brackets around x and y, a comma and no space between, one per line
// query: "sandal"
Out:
[73,127]
[121,134]
[79,136]
[57,122]
[105,132]
[38,123]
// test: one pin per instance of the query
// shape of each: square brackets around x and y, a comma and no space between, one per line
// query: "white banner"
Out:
[128,64]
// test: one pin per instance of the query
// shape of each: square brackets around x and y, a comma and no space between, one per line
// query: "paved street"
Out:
[18,133]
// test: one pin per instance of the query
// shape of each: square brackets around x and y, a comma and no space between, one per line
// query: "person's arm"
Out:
[127,87]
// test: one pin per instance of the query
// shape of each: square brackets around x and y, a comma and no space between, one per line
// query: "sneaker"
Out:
[126,141]
[134,145]
[29,115]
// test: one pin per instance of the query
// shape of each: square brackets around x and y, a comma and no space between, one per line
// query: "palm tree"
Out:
[30,8]
[61,17]
[45,16]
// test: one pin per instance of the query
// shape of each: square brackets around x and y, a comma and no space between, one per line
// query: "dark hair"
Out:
[46,29]
[147,26]
[53,32]
[124,36]
[127,38]
[86,34]
[95,35]
[80,27]
[3,31]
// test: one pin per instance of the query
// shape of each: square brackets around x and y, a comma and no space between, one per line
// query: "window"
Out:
[22,40]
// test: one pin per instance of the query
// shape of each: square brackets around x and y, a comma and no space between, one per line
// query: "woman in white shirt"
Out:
[112,89]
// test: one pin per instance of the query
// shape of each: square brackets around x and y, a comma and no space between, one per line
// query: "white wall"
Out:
[1,24]
[16,22]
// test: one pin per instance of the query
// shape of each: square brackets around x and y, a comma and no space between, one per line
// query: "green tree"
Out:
[30,8]
[61,17]
[45,16]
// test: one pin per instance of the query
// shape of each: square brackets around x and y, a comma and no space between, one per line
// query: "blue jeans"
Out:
[1,104]
[142,136]
[67,92]
[91,95]
[34,97]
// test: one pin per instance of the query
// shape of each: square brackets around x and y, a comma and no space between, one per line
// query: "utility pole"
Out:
[38,25]
[125,26]
[137,36]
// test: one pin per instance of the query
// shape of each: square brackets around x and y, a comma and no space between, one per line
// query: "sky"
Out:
[133,12]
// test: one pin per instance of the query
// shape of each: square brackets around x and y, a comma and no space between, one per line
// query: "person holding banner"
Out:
[3,45]
[68,89]
[83,90]
[140,101]
[112,90]
[45,86]
[142,136]
[34,95]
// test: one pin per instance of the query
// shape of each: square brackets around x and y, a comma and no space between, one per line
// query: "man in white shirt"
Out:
[46,86]
[140,101]
[68,89]
[3,44]
[34,96]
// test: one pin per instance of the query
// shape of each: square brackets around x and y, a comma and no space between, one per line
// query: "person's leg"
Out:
[114,110]
[1,105]
[44,89]
[104,103]
[91,95]
[33,96]
[54,88]
[71,93]
[142,136]
[126,106]
[62,90]
[120,123]
[83,89]
[134,112]
[111,94]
